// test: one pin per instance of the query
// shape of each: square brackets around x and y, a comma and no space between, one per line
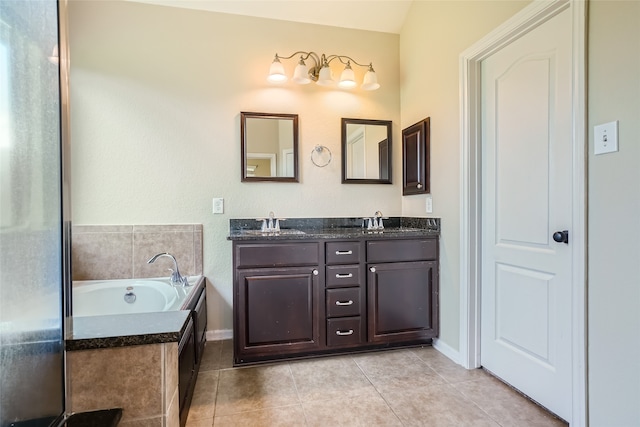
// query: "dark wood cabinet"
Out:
[186,367]
[403,301]
[277,310]
[190,349]
[402,290]
[415,158]
[345,294]
[337,296]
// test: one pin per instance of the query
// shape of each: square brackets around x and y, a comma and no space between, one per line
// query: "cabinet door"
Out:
[277,312]
[415,158]
[402,301]
[200,320]
[186,369]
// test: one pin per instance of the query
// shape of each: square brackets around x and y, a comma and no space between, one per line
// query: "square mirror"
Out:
[366,151]
[269,145]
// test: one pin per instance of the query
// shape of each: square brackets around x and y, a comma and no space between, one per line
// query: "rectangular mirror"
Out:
[366,151]
[269,144]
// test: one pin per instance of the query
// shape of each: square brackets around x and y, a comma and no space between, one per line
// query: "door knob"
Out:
[561,236]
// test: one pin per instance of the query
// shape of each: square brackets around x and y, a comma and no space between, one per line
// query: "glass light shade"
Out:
[301,74]
[276,72]
[347,78]
[370,81]
[325,79]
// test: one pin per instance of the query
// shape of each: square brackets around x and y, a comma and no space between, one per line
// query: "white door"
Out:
[526,197]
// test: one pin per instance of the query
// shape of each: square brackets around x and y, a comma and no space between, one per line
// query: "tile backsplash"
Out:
[122,251]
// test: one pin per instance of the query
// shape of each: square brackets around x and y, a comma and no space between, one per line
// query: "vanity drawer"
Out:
[343,302]
[402,250]
[343,275]
[343,252]
[277,254]
[344,332]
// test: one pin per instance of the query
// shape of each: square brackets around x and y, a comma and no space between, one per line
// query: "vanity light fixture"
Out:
[321,72]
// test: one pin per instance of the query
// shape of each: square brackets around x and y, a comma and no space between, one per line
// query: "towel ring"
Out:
[320,156]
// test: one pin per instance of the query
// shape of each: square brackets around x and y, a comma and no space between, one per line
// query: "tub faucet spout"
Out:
[176,277]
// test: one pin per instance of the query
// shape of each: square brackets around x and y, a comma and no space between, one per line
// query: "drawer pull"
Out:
[344,252]
[344,276]
[350,302]
[344,333]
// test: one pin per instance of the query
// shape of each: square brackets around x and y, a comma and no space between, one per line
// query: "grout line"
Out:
[295,386]
[378,391]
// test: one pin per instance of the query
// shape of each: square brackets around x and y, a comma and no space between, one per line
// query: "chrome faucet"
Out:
[375,222]
[270,224]
[176,277]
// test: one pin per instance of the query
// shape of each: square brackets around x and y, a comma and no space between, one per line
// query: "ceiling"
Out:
[375,15]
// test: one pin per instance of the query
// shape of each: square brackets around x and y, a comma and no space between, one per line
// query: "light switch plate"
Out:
[429,204]
[218,205]
[605,138]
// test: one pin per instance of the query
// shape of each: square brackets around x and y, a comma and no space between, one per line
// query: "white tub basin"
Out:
[96,298]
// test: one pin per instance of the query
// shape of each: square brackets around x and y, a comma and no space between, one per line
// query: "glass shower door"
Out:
[31,314]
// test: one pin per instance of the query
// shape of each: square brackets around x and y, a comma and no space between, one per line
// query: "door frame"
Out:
[471,198]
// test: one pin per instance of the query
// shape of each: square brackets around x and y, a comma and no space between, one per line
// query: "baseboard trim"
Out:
[447,350]
[220,334]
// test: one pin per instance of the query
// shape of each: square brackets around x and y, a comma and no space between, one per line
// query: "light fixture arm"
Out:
[347,61]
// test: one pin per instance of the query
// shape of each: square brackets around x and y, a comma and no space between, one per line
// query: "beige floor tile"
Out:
[445,367]
[329,378]
[226,357]
[283,416]
[396,370]
[207,422]
[505,405]
[368,409]
[211,357]
[203,404]
[436,405]
[250,389]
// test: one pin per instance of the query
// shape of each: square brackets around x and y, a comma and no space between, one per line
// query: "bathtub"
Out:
[125,296]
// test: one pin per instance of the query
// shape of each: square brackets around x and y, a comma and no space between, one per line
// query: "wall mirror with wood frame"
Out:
[366,151]
[269,147]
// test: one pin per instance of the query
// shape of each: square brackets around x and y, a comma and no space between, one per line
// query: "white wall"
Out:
[614,216]
[156,94]
[434,35]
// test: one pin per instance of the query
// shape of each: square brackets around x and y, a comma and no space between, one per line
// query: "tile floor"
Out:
[405,387]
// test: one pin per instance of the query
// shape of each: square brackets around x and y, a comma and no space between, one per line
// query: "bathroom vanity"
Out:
[331,286]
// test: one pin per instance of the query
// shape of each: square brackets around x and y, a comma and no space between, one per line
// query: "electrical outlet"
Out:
[429,204]
[218,205]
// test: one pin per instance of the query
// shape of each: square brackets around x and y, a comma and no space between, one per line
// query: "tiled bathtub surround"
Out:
[122,251]
[141,379]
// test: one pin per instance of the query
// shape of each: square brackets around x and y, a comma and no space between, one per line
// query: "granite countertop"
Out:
[334,228]
[122,330]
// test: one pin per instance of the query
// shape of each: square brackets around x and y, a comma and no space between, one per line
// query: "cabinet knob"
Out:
[419,186]
[372,269]
[315,272]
